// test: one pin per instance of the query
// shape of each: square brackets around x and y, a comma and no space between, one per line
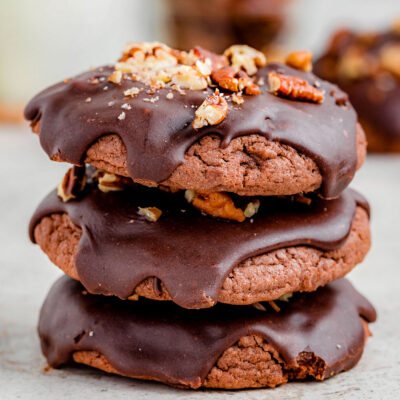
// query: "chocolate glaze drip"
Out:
[157,135]
[179,347]
[377,98]
[190,253]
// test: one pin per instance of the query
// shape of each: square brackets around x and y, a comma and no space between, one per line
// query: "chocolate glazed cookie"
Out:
[105,241]
[218,130]
[367,66]
[314,335]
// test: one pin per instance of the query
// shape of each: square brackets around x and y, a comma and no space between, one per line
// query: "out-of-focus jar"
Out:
[217,24]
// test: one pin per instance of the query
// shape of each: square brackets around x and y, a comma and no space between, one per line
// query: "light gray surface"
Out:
[25,276]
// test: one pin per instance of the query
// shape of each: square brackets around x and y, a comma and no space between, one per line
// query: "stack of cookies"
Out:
[206,239]
[367,66]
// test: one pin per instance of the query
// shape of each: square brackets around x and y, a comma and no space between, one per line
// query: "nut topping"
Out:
[115,77]
[300,60]
[212,111]
[152,214]
[217,61]
[189,78]
[132,92]
[293,88]
[252,208]
[235,81]
[73,183]
[218,205]
[245,58]
[108,182]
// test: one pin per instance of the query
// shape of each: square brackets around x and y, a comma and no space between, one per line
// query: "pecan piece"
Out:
[108,182]
[188,77]
[300,60]
[218,205]
[73,183]
[235,81]
[217,61]
[243,57]
[212,111]
[293,88]
[152,214]
[115,77]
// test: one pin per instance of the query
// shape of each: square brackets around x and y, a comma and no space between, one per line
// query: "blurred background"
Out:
[44,41]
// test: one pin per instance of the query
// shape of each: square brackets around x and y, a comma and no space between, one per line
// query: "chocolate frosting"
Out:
[179,347]
[376,98]
[158,131]
[190,253]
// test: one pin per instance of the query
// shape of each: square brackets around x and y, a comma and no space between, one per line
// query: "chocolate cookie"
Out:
[151,243]
[205,122]
[367,67]
[314,335]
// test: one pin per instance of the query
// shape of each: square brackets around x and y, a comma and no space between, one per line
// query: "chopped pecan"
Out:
[243,57]
[259,307]
[218,205]
[108,182]
[188,77]
[132,92]
[73,183]
[190,195]
[115,77]
[212,111]
[252,208]
[235,81]
[293,88]
[274,306]
[152,214]
[238,99]
[300,60]
[217,61]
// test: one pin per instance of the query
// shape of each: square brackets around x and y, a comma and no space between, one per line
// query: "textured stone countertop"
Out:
[26,175]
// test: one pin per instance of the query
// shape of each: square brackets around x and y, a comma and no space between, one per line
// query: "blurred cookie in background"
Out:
[366,65]
[217,24]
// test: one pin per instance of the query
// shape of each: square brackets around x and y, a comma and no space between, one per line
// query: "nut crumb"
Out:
[259,306]
[126,106]
[212,111]
[132,92]
[274,306]
[190,195]
[108,182]
[88,100]
[170,96]
[218,205]
[122,116]
[238,99]
[115,77]
[252,208]
[152,214]
[72,184]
